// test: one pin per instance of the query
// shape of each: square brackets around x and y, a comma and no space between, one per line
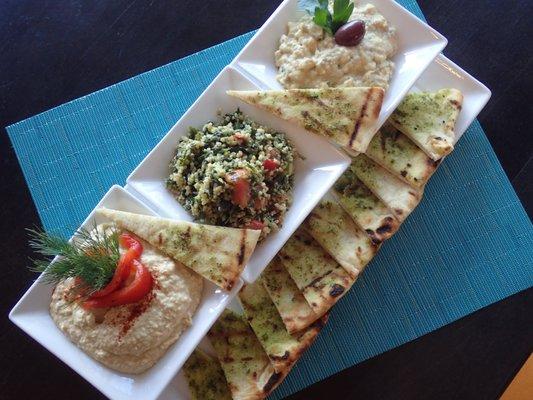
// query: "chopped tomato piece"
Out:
[259,203]
[241,187]
[240,137]
[270,164]
[241,193]
[140,286]
[255,224]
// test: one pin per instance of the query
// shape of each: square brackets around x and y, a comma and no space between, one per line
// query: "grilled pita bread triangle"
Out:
[205,377]
[367,210]
[294,310]
[401,156]
[347,116]
[429,120]
[336,232]
[217,253]
[400,197]
[320,278]
[282,348]
[247,368]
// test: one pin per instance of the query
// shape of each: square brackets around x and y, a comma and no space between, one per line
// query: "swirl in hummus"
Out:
[132,338]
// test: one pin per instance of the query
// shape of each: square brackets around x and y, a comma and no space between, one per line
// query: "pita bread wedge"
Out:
[367,210]
[205,377]
[347,116]
[400,197]
[282,348]
[336,232]
[248,370]
[217,253]
[429,120]
[320,278]
[294,310]
[401,156]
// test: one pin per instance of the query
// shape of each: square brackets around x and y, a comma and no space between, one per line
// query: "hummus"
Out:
[131,338]
[308,57]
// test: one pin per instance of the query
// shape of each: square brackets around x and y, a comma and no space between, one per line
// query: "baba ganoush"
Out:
[308,56]
[131,338]
[234,173]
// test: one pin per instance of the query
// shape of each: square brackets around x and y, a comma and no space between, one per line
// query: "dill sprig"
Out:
[91,256]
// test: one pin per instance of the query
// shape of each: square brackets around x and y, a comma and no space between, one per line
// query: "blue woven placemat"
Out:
[468,244]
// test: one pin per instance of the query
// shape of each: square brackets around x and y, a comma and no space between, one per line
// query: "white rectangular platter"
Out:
[32,315]
[318,168]
[418,45]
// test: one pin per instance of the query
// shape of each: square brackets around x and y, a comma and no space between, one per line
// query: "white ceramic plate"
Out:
[320,167]
[32,315]
[418,45]
[440,74]
[444,73]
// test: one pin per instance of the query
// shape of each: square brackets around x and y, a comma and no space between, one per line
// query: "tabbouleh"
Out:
[234,173]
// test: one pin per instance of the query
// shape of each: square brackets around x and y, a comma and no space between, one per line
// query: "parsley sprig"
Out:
[342,9]
[91,256]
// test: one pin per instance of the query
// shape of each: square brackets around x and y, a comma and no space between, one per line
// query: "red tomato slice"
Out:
[140,286]
[240,137]
[255,224]
[135,249]
[241,193]
[241,187]
[270,164]
[121,274]
[130,241]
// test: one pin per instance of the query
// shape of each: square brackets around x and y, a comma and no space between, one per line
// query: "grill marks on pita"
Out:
[397,195]
[294,310]
[347,116]
[398,154]
[428,119]
[283,349]
[365,208]
[336,232]
[354,137]
[384,185]
[320,278]
[248,370]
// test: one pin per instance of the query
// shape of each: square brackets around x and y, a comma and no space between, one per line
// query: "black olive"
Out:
[351,33]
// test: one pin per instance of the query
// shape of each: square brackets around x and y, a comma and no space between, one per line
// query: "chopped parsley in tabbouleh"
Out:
[234,173]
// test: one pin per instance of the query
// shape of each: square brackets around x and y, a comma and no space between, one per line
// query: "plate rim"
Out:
[16,316]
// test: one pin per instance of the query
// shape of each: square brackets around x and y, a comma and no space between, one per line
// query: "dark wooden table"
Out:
[55,51]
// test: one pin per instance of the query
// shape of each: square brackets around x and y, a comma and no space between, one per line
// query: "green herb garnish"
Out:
[91,256]
[342,9]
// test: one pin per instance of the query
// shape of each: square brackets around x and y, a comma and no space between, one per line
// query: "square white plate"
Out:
[440,74]
[418,45]
[32,315]
[444,73]
[315,173]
